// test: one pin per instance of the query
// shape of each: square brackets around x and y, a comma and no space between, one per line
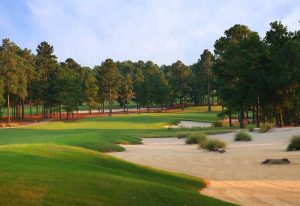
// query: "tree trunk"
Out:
[247,116]
[44,110]
[110,103]
[253,116]
[59,111]
[241,117]
[182,103]
[8,108]
[18,109]
[230,118]
[23,112]
[30,108]
[208,95]
[37,108]
[257,113]
[277,119]
[280,119]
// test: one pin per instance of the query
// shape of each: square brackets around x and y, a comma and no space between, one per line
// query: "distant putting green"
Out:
[59,163]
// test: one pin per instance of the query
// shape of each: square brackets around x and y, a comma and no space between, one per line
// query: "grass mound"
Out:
[294,144]
[40,174]
[242,136]
[213,144]
[196,138]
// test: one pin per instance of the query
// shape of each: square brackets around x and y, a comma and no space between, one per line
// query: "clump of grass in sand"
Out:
[182,135]
[265,127]
[242,136]
[250,128]
[213,144]
[295,144]
[196,138]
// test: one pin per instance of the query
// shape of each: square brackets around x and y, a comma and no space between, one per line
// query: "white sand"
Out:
[237,175]
[190,124]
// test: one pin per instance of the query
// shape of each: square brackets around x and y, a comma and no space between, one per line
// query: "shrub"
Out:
[2,125]
[221,123]
[182,135]
[12,125]
[295,143]
[213,144]
[242,136]
[235,124]
[250,128]
[196,138]
[265,127]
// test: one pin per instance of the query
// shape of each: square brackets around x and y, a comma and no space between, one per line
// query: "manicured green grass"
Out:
[104,133]
[59,163]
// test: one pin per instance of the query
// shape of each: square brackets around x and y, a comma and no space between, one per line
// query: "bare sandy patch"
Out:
[189,124]
[237,175]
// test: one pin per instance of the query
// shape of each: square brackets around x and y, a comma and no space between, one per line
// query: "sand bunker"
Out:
[190,124]
[237,175]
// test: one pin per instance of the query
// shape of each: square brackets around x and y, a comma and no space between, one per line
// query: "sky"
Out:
[162,31]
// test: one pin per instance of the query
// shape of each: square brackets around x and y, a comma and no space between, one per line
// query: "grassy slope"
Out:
[54,172]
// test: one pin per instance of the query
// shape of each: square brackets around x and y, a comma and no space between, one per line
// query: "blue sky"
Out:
[159,30]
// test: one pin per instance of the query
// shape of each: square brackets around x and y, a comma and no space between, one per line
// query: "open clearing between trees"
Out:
[237,175]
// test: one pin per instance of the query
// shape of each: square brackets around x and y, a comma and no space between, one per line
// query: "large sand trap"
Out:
[237,175]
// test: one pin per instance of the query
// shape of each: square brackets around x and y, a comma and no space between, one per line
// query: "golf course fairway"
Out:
[61,163]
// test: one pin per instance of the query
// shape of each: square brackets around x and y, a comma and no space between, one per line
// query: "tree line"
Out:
[247,74]
[53,87]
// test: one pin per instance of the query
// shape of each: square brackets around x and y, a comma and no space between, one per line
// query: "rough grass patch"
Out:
[221,123]
[250,128]
[182,135]
[265,127]
[294,144]
[213,144]
[12,125]
[242,136]
[196,138]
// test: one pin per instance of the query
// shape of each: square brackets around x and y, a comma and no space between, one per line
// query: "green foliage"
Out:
[108,77]
[242,136]
[294,144]
[90,88]
[125,91]
[213,144]
[179,75]
[196,138]
[251,128]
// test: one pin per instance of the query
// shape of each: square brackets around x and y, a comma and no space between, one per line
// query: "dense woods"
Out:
[255,79]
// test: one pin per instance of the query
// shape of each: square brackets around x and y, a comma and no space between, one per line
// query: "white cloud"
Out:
[162,31]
